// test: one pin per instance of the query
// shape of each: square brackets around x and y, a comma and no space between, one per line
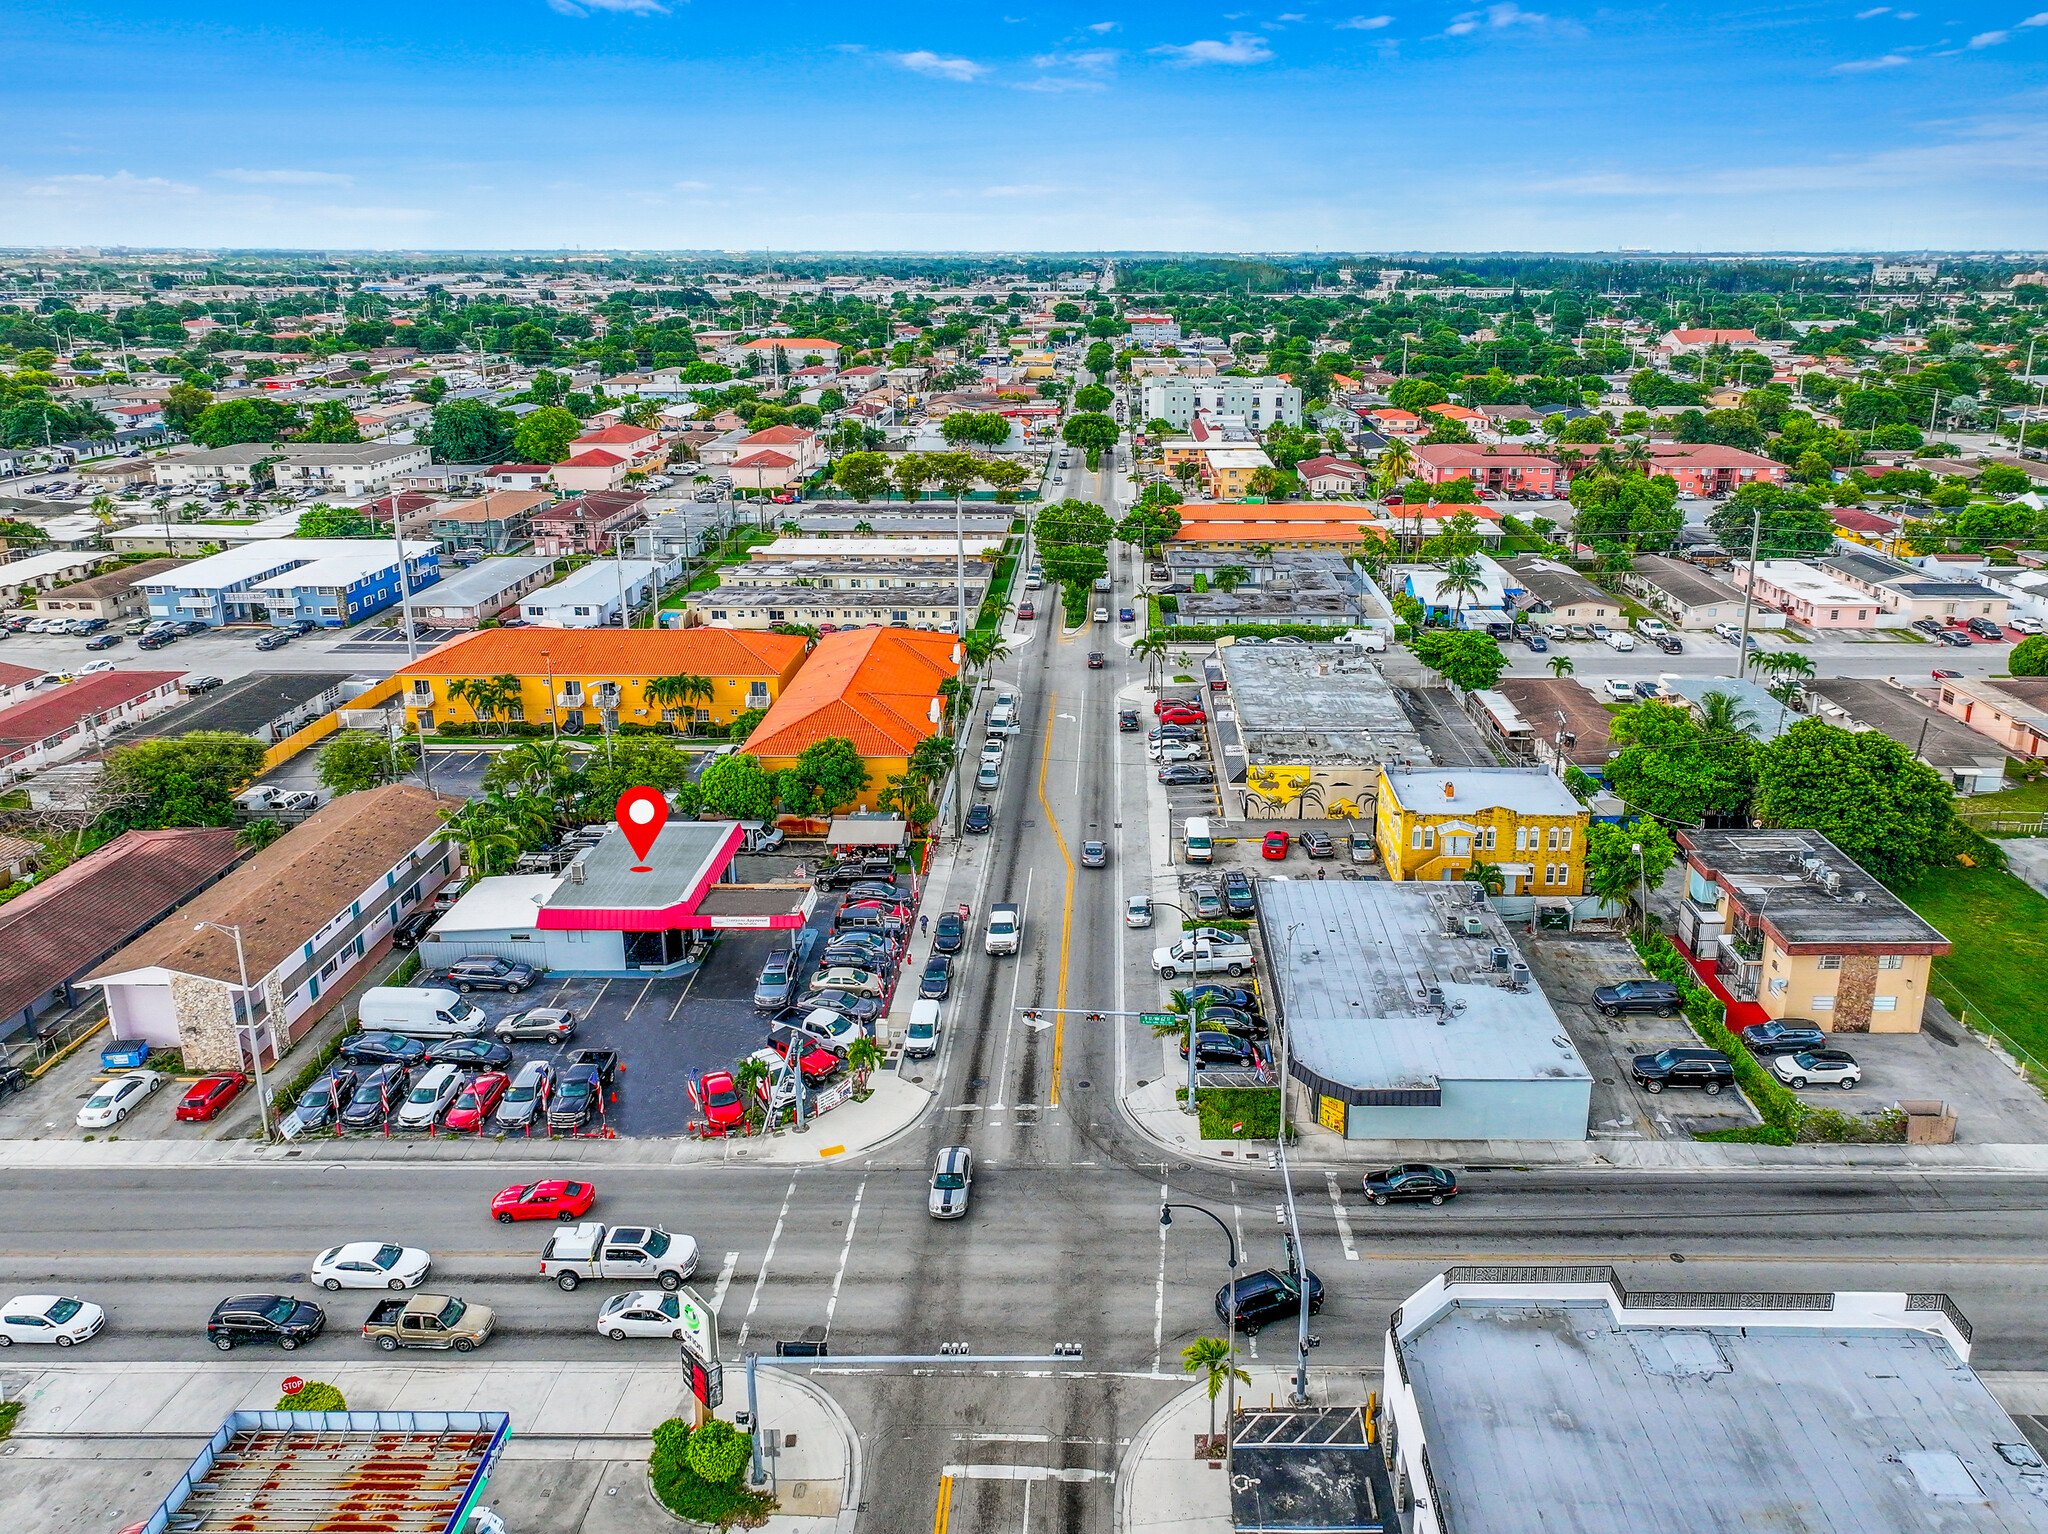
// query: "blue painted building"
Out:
[332,581]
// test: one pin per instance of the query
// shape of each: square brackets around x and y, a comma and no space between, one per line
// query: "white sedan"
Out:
[370,1265]
[48,1318]
[116,1096]
[1175,751]
[643,1313]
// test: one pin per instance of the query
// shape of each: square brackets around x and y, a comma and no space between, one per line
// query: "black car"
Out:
[1266,1297]
[488,972]
[579,1093]
[299,626]
[1782,1038]
[188,628]
[322,1103]
[1984,628]
[479,1053]
[950,934]
[1954,637]
[407,934]
[1245,1025]
[1412,1183]
[938,978]
[382,1048]
[376,1097]
[1219,1049]
[196,684]
[155,641]
[1707,1069]
[980,820]
[1225,996]
[1174,732]
[1658,996]
[875,889]
[274,1318]
[276,639]
[1095,660]
[1237,893]
[1127,719]
[103,641]
[839,876]
[1670,644]
[1183,772]
[12,1079]
[1535,641]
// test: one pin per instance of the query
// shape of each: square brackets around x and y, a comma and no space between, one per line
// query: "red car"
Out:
[1274,846]
[1182,716]
[209,1094]
[1163,706]
[818,1063]
[1027,612]
[717,1097]
[544,1201]
[473,1104]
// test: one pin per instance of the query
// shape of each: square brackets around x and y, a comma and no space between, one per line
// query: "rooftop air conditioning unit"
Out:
[1518,975]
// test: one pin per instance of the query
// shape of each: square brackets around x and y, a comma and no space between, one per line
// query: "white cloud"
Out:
[120,184]
[1291,16]
[1018,191]
[286,177]
[693,186]
[1242,48]
[941,66]
[1875,10]
[1093,61]
[1055,85]
[1493,18]
[1100,27]
[1988,39]
[1365,24]
[1864,66]
[622,7]
[2038,19]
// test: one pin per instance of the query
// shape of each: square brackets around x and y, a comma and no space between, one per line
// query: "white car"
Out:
[1654,627]
[1138,911]
[98,665]
[116,1097]
[1818,1067]
[49,1318]
[1176,751]
[1620,691]
[643,1313]
[829,1027]
[994,749]
[430,1095]
[370,1265]
[2026,625]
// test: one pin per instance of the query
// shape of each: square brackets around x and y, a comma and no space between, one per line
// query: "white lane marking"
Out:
[1023,1473]
[1026,1525]
[1016,980]
[1343,1223]
[1159,1293]
[845,1251]
[1002,1438]
[768,1256]
[732,1260]
[638,999]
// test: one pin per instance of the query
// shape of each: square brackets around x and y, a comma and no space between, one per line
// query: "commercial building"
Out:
[1436,823]
[829,574]
[595,670]
[937,554]
[1410,1016]
[600,593]
[602,916]
[265,705]
[336,468]
[1153,329]
[111,597]
[877,687]
[1524,1399]
[1795,925]
[758,607]
[490,588]
[1263,402]
[1971,763]
[333,581]
[1303,731]
[53,723]
[2012,711]
[58,931]
[311,908]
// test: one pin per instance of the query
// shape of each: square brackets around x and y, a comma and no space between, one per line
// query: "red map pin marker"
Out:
[641,814]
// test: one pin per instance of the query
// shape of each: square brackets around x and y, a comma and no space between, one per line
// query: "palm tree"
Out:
[862,1056]
[527,818]
[749,1076]
[1462,578]
[1635,456]
[983,647]
[481,833]
[1396,463]
[1784,663]
[487,696]
[538,766]
[679,691]
[258,834]
[1488,876]
[1215,1358]
[1152,645]
[1229,578]
[1721,714]
[1561,666]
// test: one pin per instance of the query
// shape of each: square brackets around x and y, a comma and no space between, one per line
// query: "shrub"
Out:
[718,1451]
[687,1494]
[316,1395]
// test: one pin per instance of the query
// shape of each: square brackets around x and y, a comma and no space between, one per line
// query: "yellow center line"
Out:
[945,1505]
[1059,1017]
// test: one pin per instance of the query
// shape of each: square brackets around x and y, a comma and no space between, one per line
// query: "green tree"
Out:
[486,696]
[1612,871]
[1641,511]
[258,834]
[862,475]
[1213,1359]
[190,780]
[545,767]
[718,1451]
[1666,765]
[2030,656]
[1072,521]
[183,405]
[2003,479]
[735,788]
[1561,665]
[968,428]
[634,761]
[1072,564]
[1091,432]
[1417,394]
[1864,791]
[485,839]
[332,421]
[1149,526]
[828,775]
[913,473]
[242,420]
[359,759]
[544,435]
[744,724]
[469,431]
[1229,577]
[1795,523]
[314,1395]
[1461,578]
[681,691]
[1094,397]
[1005,476]
[1586,428]
[1466,660]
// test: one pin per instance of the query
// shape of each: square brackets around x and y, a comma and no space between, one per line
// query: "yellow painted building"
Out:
[1434,824]
[592,670]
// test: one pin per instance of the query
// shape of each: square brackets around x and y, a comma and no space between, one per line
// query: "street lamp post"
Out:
[1300,1397]
[249,1009]
[1642,885]
[1230,1326]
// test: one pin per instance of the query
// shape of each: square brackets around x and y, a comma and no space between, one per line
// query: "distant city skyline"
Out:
[665,125]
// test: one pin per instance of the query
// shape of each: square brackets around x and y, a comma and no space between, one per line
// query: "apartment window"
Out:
[1429,836]
[1885,1004]
[1521,838]
[1823,1003]
[1415,839]
[1553,839]
[1489,838]
[1565,839]
[1891,961]
[1830,961]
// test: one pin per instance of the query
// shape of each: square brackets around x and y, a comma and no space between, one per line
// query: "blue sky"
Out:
[664,124]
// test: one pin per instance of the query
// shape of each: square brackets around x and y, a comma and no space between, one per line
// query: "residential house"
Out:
[496,523]
[1704,469]
[854,551]
[60,930]
[600,593]
[2013,711]
[1809,594]
[877,687]
[594,469]
[311,910]
[1485,603]
[1796,926]
[55,723]
[516,476]
[780,354]
[334,582]
[1907,593]
[1688,597]
[111,597]
[385,421]
[1553,592]
[22,580]
[594,669]
[1391,422]
[345,468]
[586,524]
[1971,763]
[1768,717]
[488,590]
[1568,726]
[640,446]
[1692,340]
[19,681]
[1227,472]
[267,706]
[1435,823]
[1504,471]
[1330,475]
[830,574]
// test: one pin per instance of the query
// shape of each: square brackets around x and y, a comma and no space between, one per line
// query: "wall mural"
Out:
[1307,793]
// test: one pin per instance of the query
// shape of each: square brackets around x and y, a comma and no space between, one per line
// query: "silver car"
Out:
[952,1182]
[527,1098]
[554,1024]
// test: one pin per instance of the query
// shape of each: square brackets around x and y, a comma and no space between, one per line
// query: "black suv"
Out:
[407,934]
[1413,1182]
[488,972]
[1782,1038]
[839,876]
[1707,1069]
[1658,996]
[1127,719]
[1237,893]
[322,1102]
[274,1318]
[1266,1297]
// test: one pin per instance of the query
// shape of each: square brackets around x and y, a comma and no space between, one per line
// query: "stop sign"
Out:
[293,1385]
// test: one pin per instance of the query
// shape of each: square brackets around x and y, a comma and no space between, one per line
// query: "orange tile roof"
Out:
[712,652]
[617,434]
[773,436]
[1268,532]
[873,686]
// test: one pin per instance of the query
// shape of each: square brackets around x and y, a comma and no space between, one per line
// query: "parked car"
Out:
[370,1265]
[383,1049]
[276,639]
[1127,720]
[276,1318]
[1175,751]
[488,972]
[1183,716]
[1954,637]
[205,1098]
[1265,1297]
[862,1009]
[103,642]
[1173,732]
[554,1199]
[115,1099]
[1658,996]
[377,1096]
[474,1054]
[1706,1069]
[1224,995]
[1984,628]
[1782,1038]
[554,1025]
[949,933]
[1163,706]
[1243,1025]
[1208,901]
[407,934]
[477,1100]
[776,983]
[717,1097]
[1138,911]
[52,1318]
[1535,641]
[1219,1048]
[1238,899]
[1274,845]
[843,875]
[1094,854]
[580,1089]
[1411,1183]
[952,1183]
[431,1094]
[1318,844]
[526,1099]
[937,979]
[1027,612]
[322,1101]
[980,820]
[1185,773]
[1818,1067]
[1670,644]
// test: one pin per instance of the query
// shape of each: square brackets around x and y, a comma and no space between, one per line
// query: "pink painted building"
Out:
[1814,597]
[1491,469]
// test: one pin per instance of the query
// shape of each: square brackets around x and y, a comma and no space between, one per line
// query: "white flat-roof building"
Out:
[1261,401]
[465,598]
[892,550]
[590,597]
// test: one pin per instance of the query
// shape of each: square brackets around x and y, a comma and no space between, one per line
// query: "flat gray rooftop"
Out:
[1548,1417]
[1317,703]
[1684,583]
[1765,874]
[1941,740]
[483,580]
[677,858]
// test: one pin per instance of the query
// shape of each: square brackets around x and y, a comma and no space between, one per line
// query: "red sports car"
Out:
[477,1098]
[717,1096]
[209,1094]
[1182,716]
[1274,846]
[544,1201]
[818,1063]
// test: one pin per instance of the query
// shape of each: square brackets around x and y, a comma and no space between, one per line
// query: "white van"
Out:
[921,1040]
[1002,720]
[1201,848]
[422,1012]
[1620,639]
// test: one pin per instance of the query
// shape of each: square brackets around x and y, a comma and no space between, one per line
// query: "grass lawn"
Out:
[2021,800]
[1999,928]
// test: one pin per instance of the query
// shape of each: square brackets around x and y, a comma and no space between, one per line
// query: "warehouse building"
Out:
[1305,729]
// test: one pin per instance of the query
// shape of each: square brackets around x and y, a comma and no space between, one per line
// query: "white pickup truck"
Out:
[1005,929]
[1203,952]
[589,1250]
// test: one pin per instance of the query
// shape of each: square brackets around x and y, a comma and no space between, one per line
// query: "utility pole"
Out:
[1300,1397]
[1756,528]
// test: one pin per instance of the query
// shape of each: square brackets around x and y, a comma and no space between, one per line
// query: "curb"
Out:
[849,1501]
[1120,1514]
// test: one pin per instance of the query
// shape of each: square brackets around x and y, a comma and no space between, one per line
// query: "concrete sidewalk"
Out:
[102,1436]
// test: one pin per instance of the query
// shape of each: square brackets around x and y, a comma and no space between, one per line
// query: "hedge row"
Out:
[1781,1111]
